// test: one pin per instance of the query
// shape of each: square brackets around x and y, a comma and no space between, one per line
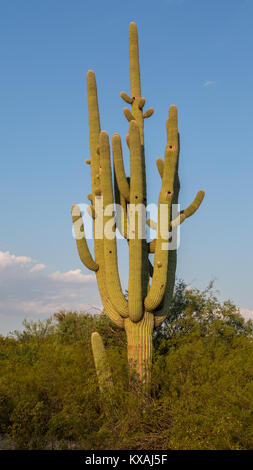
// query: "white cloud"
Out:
[247,313]
[27,290]
[37,267]
[72,276]
[6,259]
[208,83]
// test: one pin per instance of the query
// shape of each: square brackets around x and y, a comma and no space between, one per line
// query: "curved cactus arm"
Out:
[110,247]
[119,167]
[102,365]
[160,166]
[148,113]
[190,210]
[128,114]
[126,98]
[127,141]
[135,285]
[152,224]
[81,242]
[158,286]
[141,102]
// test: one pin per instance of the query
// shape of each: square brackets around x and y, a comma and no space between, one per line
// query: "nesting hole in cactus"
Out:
[110,251]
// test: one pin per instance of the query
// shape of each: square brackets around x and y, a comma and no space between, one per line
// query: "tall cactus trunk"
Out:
[139,347]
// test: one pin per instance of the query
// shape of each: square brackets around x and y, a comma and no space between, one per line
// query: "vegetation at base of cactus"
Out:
[201,389]
[150,287]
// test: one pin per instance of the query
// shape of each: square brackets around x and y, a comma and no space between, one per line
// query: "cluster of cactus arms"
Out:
[150,287]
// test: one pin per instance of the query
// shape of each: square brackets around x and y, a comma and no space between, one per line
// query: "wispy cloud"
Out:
[208,83]
[7,259]
[28,290]
[247,313]
[72,276]
[37,267]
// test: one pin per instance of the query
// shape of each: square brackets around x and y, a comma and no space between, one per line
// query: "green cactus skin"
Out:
[110,247]
[135,283]
[122,182]
[102,365]
[157,289]
[139,345]
[81,243]
[150,288]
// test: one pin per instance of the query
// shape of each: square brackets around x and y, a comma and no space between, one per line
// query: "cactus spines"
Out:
[150,287]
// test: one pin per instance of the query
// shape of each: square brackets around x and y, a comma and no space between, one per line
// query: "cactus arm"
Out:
[158,286]
[135,305]
[162,312]
[81,242]
[128,114]
[119,167]
[135,80]
[94,131]
[172,260]
[126,98]
[151,246]
[102,365]
[152,224]
[110,247]
[94,128]
[160,166]
[148,113]
[127,141]
[190,210]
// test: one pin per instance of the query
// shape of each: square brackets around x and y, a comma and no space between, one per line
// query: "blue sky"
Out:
[193,53]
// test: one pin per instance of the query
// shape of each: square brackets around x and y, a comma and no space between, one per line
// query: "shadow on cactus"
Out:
[150,287]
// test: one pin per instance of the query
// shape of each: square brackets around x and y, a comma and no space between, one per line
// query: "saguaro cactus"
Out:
[150,287]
